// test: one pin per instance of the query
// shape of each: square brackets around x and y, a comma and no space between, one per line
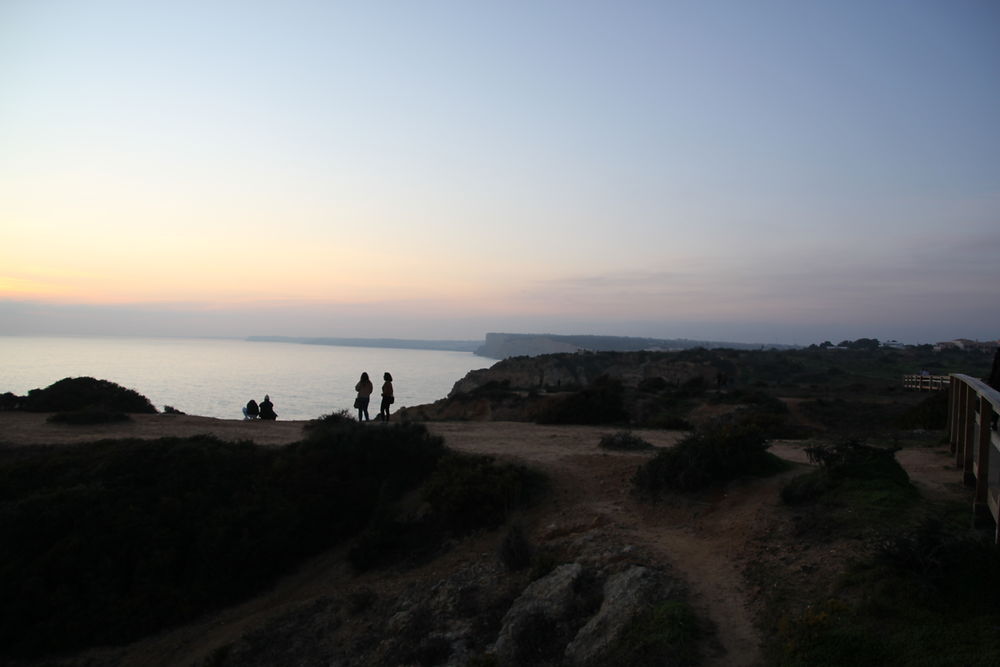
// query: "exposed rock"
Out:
[544,618]
[626,594]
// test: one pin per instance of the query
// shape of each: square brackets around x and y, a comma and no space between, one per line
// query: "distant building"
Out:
[968,345]
[893,344]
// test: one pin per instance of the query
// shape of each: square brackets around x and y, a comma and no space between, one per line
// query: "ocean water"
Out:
[216,377]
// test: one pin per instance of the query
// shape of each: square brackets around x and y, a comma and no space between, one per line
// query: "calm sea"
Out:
[215,378]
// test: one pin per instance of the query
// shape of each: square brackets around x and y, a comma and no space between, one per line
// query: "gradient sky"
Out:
[764,171]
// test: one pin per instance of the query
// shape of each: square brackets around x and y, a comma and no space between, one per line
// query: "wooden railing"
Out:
[975,442]
[926,382]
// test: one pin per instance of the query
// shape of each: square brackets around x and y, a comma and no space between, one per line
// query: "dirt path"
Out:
[707,542]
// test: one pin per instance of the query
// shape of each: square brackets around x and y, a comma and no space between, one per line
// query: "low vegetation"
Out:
[463,493]
[107,542]
[713,455]
[856,488]
[927,593]
[624,441]
[80,394]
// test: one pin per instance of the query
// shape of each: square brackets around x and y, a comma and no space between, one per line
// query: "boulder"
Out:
[626,594]
[539,624]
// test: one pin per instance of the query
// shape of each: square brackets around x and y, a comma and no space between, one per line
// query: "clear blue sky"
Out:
[755,171]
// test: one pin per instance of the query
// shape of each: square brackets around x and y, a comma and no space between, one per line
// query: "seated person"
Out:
[251,411]
[267,409]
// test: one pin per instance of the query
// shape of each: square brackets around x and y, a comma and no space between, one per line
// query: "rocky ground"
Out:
[610,548]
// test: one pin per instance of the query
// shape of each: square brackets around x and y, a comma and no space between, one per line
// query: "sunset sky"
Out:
[755,171]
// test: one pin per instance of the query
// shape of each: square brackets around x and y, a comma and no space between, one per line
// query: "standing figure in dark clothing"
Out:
[387,397]
[267,409]
[364,388]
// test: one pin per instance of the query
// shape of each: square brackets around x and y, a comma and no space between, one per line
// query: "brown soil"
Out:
[709,541]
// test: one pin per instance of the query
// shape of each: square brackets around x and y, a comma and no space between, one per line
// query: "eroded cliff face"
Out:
[562,372]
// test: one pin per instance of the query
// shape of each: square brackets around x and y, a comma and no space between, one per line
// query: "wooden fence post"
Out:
[980,503]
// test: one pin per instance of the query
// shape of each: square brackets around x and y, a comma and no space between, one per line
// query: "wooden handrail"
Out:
[926,382]
[973,407]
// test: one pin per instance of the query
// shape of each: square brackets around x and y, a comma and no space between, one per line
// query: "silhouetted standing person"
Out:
[364,388]
[387,397]
[267,409]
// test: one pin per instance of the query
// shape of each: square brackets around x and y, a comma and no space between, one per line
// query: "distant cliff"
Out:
[566,372]
[395,343]
[504,345]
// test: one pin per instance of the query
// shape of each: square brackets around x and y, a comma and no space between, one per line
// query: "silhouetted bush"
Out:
[624,440]
[603,402]
[88,417]
[103,543]
[9,401]
[86,393]
[715,454]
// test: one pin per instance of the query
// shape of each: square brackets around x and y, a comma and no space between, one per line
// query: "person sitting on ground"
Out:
[267,409]
[250,410]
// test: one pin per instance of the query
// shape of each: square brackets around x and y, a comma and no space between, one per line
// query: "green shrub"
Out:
[625,441]
[86,393]
[715,454]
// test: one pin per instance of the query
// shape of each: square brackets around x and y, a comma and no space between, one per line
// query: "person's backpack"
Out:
[252,408]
